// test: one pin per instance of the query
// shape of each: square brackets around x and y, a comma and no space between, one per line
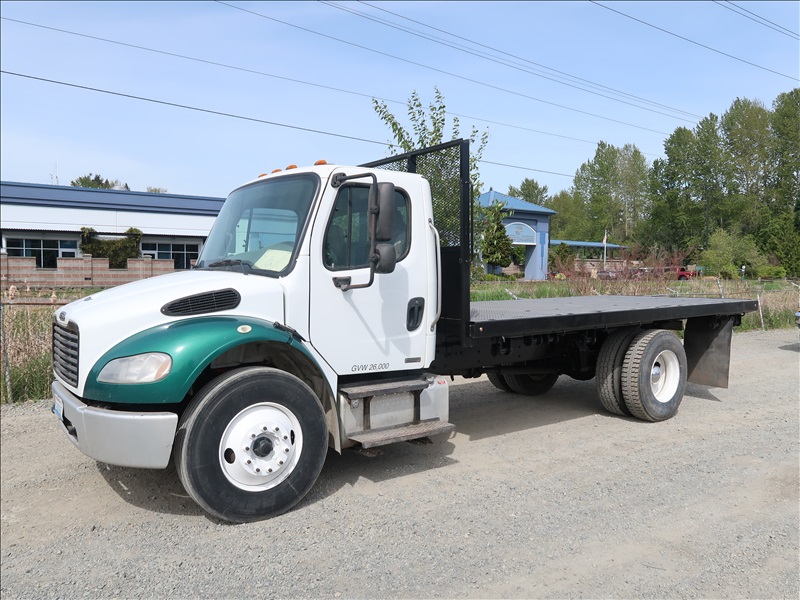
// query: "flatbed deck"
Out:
[538,316]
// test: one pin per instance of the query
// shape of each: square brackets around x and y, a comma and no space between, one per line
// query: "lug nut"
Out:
[277,429]
[280,462]
[252,436]
[247,448]
[269,470]
[286,450]
[249,461]
[258,470]
[286,437]
[263,429]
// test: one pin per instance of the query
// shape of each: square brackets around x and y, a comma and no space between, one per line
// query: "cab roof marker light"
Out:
[291,167]
[320,162]
[276,170]
[262,175]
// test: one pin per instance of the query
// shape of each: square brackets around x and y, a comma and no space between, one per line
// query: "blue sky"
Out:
[51,130]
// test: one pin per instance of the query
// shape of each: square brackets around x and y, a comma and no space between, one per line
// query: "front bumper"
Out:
[123,438]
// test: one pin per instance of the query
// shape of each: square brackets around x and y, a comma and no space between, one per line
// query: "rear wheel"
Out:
[499,382]
[251,444]
[654,375]
[609,370]
[531,385]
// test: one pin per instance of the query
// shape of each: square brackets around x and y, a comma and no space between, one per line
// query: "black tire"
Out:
[499,382]
[531,385]
[654,375]
[251,444]
[581,375]
[609,370]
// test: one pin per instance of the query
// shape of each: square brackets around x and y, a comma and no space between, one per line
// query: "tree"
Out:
[156,190]
[428,129]
[530,191]
[726,253]
[745,126]
[96,181]
[497,248]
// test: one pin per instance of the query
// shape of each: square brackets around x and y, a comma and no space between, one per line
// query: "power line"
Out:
[759,19]
[283,78]
[574,77]
[195,108]
[240,117]
[443,72]
[501,61]
[692,41]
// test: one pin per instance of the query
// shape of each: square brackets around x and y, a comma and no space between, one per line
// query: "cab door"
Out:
[371,329]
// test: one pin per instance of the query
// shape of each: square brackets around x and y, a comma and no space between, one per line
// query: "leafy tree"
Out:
[497,247]
[428,128]
[745,127]
[118,251]
[96,181]
[156,190]
[726,253]
[530,191]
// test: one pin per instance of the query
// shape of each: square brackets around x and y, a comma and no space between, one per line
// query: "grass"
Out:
[26,366]
[26,330]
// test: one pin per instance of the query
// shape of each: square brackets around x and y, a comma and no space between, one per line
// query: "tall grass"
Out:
[26,365]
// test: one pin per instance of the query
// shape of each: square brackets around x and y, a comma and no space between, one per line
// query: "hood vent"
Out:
[199,304]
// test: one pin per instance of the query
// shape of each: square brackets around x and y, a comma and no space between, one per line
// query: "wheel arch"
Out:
[203,348]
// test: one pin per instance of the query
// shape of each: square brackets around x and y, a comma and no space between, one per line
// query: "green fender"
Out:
[192,344]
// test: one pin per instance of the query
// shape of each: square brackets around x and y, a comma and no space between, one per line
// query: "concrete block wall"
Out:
[84,271]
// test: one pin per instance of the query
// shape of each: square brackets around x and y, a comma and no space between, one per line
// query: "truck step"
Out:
[383,388]
[402,433]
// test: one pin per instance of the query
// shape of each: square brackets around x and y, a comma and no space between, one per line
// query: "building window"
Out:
[46,252]
[181,254]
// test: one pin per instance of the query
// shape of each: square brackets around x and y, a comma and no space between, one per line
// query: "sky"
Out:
[208,95]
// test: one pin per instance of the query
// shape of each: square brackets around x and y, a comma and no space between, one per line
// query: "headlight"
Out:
[142,368]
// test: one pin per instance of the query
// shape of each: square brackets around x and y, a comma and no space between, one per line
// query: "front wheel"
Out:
[251,444]
[654,375]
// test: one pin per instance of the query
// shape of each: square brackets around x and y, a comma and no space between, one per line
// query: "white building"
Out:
[45,221]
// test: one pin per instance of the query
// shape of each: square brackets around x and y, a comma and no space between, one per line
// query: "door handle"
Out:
[416,308]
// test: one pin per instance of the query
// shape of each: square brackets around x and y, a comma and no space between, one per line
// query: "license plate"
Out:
[58,408]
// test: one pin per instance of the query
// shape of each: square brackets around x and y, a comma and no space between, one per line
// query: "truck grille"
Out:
[65,352]
[206,302]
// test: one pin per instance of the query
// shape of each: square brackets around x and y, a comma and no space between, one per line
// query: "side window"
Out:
[346,244]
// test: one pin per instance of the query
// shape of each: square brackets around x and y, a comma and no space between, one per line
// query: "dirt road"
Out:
[531,498]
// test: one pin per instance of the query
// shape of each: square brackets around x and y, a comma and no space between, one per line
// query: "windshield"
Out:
[260,226]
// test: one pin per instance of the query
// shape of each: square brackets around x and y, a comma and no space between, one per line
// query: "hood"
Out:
[106,318]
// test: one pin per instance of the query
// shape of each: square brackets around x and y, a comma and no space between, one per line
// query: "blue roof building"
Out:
[527,225]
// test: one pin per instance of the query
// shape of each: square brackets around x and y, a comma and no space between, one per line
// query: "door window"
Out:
[346,244]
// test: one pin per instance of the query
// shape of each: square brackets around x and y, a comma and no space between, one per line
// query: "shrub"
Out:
[771,272]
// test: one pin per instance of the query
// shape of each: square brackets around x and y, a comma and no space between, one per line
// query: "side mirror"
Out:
[386,206]
[386,258]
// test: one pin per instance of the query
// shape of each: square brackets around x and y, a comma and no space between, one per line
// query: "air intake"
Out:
[200,304]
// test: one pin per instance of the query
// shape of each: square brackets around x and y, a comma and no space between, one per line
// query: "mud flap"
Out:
[707,342]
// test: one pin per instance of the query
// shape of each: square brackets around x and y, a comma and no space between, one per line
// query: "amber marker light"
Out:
[320,162]
[291,167]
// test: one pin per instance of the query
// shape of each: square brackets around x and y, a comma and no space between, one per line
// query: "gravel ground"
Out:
[544,498]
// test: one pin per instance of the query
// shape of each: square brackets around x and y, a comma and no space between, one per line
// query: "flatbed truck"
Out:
[327,308]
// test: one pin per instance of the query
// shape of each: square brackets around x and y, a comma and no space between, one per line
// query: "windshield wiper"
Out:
[232,262]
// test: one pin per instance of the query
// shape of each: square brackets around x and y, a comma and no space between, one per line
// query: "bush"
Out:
[771,272]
